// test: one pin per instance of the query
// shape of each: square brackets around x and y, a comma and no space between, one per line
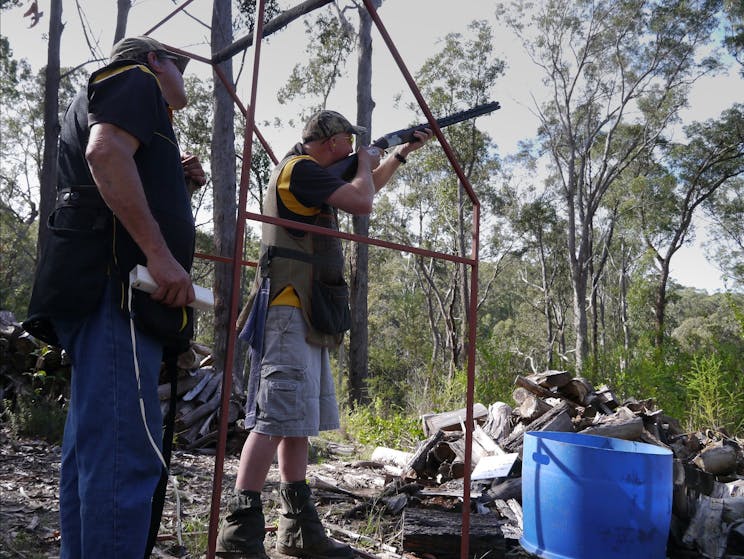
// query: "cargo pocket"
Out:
[279,395]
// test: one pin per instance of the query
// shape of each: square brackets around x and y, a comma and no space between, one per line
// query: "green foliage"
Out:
[246,16]
[195,535]
[329,42]
[382,424]
[36,415]
[21,146]
[714,395]
[495,374]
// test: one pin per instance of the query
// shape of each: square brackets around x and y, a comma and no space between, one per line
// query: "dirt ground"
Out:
[29,525]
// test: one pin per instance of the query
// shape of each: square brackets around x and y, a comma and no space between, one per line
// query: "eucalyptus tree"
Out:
[692,173]
[51,118]
[222,159]
[537,222]
[607,64]
[122,18]
[433,210]
[726,212]
[22,137]
[734,30]
[19,179]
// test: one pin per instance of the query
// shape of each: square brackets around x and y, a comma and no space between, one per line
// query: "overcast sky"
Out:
[414,25]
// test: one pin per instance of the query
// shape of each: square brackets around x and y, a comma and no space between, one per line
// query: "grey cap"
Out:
[136,48]
[325,124]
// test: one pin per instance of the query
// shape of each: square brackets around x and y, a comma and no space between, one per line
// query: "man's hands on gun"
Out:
[423,136]
[371,155]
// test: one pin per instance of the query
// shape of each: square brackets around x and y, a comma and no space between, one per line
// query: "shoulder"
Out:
[123,72]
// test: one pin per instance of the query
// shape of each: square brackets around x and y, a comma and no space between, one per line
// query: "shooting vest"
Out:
[295,258]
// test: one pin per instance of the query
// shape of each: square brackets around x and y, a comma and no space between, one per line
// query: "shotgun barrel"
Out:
[346,168]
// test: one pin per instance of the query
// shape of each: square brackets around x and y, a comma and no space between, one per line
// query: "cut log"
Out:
[512,512]
[186,421]
[432,531]
[209,390]
[577,390]
[391,456]
[519,394]
[532,407]
[451,420]
[421,456]
[498,425]
[486,445]
[623,424]
[607,397]
[184,384]
[196,390]
[533,387]
[717,459]
[557,419]
[510,488]
[551,379]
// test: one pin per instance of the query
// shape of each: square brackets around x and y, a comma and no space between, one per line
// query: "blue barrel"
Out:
[590,497]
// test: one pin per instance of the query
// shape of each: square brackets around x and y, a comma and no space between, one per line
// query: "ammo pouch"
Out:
[172,326]
[329,303]
[330,312]
[73,272]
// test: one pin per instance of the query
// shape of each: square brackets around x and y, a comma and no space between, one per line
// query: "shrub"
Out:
[36,416]
[378,425]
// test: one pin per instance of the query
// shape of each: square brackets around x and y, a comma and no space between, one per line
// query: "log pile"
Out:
[199,386]
[199,392]
[708,494]
[425,486]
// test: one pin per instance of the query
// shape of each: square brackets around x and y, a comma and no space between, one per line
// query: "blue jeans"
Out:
[109,468]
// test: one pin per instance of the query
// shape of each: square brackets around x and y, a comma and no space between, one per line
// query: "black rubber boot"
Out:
[300,532]
[242,531]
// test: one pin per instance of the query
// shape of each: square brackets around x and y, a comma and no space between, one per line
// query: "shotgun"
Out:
[346,168]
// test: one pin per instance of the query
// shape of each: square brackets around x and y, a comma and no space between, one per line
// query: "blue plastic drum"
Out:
[590,497]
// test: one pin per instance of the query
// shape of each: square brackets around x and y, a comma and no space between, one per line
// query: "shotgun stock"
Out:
[346,168]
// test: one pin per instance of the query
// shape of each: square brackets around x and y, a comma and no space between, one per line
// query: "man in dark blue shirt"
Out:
[122,200]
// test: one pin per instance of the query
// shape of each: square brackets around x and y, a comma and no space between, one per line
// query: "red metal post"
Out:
[238,261]
[465,533]
[214,516]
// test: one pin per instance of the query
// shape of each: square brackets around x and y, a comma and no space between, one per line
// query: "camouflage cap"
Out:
[136,48]
[325,124]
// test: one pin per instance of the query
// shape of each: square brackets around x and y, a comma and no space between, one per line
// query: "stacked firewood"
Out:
[199,385]
[198,400]
[708,495]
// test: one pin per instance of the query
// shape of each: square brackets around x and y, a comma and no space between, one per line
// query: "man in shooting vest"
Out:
[291,395]
[122,200]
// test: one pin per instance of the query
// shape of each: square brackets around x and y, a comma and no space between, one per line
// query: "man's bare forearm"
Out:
[110,158]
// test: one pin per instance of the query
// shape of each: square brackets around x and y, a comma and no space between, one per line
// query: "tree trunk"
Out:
[577,253]
[359,335]
[547,306]
[51,123]
[224,187]
[122,17]
[660,305]
[624,307]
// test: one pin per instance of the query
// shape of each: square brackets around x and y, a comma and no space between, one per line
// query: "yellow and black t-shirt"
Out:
[302,188]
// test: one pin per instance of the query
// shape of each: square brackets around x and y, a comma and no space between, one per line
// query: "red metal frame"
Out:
[238,261]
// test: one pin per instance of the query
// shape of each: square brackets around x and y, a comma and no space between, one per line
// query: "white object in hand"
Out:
[140,278]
